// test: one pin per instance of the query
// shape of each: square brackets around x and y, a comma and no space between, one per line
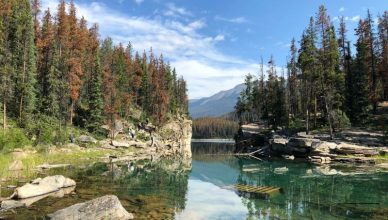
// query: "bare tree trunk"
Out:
[307,110]
[4,114]
[328,111]
[23,79]
[71,112]
[315,111]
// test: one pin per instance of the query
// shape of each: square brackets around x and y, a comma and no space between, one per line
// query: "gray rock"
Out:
[46,166]
[346,148]
[43,186]
[11,204]
[120,144]
[281,170]
[106,207]
[16,165]
[322,147]
[301,142]
[119,126]
[280,145]
[289,157]
[86,139]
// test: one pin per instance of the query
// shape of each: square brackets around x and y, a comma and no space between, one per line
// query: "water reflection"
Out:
[203,189]
[306,192]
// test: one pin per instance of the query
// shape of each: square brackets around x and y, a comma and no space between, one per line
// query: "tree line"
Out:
[324,83]
[214,127]
[55,66]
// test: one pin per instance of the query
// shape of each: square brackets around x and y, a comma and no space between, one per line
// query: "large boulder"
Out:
[86,139]
[106,207]
[43,186]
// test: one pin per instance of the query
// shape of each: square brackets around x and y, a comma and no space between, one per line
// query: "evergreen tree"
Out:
[96,99]
[359,108]
[307,62]
[22,47]
[383,64]
[6,89]
[293,81]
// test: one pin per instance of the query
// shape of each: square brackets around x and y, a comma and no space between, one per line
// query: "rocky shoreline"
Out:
[131,144]
[353,146]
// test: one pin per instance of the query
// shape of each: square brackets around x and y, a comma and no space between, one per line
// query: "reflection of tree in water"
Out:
[150,191]
[205,148]
[308,195]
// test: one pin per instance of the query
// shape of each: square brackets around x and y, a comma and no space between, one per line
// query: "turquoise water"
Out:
[171,190]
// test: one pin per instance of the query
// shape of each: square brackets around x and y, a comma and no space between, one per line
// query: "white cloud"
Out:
[139,1]
[174,11]
[219,37]
[237,20]
[283,44]
[195,56]
[355,18]
[342,9]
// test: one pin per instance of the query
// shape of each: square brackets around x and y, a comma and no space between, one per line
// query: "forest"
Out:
[325,85]
[56,72]
[214,127]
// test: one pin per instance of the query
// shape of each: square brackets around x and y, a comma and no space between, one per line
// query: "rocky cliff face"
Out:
[176,138]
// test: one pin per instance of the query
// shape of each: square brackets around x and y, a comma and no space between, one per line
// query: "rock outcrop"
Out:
[106,207]
[176,137]
[86,139]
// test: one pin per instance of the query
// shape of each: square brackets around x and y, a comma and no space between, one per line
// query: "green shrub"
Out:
[296,125]
[340,120]
[13,138]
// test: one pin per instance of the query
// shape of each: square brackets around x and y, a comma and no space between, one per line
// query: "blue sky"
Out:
[215,43]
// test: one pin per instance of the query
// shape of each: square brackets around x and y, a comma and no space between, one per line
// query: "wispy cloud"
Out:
[174,11]
[355,18]
[283,44]
[195,56]
[236,20]
[341,9]
[139,1]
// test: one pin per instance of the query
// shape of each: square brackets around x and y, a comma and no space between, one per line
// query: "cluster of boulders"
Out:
[105,207]
[321,151]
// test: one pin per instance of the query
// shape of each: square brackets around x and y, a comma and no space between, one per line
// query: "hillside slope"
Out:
[218,104]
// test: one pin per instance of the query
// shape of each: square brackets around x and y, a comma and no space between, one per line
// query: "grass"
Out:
[32,160]
[381,158]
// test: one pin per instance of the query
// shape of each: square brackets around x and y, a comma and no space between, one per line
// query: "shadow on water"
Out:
[204,189]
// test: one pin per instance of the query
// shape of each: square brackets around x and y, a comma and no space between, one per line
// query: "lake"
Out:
[171,190]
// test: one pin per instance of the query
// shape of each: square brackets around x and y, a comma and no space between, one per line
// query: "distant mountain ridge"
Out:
[218,104]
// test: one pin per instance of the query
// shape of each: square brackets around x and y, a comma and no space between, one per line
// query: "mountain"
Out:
[218,104]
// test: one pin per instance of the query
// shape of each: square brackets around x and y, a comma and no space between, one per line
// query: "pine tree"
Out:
[22,47]
[307,62]
[6,89]
[330,78]
[360,106]
[370,41]
[48,74]
[383,64]
[293,80]
[96,99]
